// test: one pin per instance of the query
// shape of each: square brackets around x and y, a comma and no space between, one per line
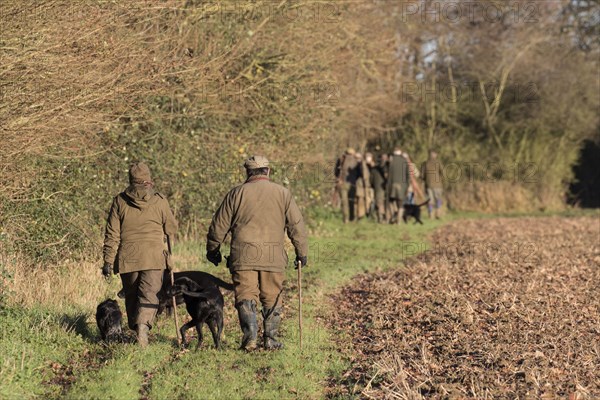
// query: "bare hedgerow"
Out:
[191,87]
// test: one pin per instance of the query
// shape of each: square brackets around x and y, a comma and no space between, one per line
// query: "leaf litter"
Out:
[495,309]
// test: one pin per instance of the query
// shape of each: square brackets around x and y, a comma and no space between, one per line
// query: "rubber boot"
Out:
[248,323]
[142,334]
[271,321]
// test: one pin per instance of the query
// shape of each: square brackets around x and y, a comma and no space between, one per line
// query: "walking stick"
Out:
[175,313]
[177,333]
[416,187]
[300,300]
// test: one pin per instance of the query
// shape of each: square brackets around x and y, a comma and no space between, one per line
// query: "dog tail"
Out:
[222,284]
[423,203]
[200,295]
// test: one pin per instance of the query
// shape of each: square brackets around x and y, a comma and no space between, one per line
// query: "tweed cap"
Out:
[256,162]
[139,173]
[350,151]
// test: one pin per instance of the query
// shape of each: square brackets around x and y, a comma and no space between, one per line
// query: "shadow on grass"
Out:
[192,344]
[78,323]
[165,338]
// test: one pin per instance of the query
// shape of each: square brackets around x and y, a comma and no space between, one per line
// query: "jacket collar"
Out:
[257,178]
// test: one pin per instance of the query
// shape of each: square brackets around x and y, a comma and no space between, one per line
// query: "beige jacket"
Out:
[137,223]
[258,213]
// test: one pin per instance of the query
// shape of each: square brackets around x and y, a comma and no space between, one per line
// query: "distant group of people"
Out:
[380,188]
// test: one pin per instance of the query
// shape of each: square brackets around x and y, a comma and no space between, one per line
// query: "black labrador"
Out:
[203,279]
[200,277]
[413,210]
[204,304]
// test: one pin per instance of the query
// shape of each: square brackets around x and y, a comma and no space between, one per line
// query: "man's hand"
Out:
[214,256]
[107,270]
[302,259]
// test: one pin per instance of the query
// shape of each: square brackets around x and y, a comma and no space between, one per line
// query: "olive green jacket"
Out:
[378,180]
[138,221]
[258,213]
[398,178]
[431,171]
[347,169]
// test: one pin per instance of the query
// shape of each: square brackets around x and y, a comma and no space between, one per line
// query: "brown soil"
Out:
[500,309]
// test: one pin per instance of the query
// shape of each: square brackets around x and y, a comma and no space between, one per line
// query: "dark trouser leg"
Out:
[130,287]
[271,289]
[149,284]
[351,202]
[345,203]
[246,297]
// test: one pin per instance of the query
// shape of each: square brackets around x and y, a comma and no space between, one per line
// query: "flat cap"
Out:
[256,162]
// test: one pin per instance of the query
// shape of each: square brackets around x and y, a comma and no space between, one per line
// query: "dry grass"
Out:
[504,308]
[501,196]
[72,285]
[78,285]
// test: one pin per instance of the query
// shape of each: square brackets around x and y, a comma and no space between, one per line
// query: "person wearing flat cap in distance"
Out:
[347,173]
[258,213]
[134,246]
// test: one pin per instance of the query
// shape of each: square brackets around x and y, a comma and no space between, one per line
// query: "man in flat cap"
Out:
[347,173]
[134,246]
[397,184]
[258,213]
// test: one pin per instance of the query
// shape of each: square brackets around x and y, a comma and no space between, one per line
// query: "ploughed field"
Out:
[497,308]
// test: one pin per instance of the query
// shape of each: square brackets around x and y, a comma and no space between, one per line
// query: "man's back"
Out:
[257,213]
[349,170]
[398,171]
[432,173]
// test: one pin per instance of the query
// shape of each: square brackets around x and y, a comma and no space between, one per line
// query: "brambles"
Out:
[483,321]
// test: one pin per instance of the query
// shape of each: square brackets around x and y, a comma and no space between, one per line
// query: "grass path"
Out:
[55,353]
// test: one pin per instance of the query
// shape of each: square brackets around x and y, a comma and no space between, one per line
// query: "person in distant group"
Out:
[363,197]
[431,170]
[378,182]
[134,246]
[397,184]
[370,164]
[346,173]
